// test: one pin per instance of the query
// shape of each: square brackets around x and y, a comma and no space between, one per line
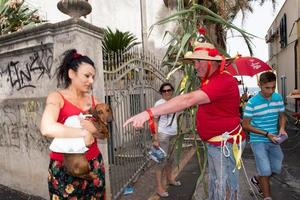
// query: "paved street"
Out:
[10,194]
[284,186]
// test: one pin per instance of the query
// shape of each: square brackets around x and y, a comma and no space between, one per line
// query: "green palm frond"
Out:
[114,42]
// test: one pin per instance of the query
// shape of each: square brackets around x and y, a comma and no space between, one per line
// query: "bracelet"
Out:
[267,134]
[152,124]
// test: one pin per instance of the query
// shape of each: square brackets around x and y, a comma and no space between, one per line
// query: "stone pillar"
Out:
[28,60]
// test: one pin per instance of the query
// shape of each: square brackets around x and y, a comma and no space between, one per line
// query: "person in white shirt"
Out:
[165,138]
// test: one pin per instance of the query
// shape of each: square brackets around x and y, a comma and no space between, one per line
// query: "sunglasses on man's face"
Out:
[167,90]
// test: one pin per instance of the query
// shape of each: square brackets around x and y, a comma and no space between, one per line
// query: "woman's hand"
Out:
[88,125]
[138,120]
[155,143]
[88,138]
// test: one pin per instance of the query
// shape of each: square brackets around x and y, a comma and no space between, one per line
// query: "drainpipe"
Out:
[144,25]
[144,51]
[296,72]
[296,63]
[283,88]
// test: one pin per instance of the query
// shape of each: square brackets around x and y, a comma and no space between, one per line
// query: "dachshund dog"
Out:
[76,164]
[102,114]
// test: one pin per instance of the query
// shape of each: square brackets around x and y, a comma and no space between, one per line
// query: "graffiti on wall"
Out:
[23,72]
[19,126]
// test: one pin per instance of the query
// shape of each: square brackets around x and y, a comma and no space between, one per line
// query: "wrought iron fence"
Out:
[132,80]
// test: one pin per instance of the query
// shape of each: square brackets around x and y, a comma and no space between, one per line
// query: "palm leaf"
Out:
[114,42]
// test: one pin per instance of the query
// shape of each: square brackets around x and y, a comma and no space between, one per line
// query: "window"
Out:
[283,32]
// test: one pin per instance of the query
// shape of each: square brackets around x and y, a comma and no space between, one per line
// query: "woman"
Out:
[76,73]
[165,138]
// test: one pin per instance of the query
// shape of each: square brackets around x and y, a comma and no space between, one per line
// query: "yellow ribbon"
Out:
[237,152]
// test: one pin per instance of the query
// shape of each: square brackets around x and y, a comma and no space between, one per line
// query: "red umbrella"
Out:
[247,66]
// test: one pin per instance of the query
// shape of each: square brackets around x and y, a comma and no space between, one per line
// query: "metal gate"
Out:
[131,84]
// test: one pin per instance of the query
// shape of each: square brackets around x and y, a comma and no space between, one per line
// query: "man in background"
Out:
[262,114]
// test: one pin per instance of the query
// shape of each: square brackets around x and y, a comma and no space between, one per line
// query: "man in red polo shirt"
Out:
[218,119]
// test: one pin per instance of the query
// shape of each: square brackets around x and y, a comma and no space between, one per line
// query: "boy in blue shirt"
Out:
[262,114]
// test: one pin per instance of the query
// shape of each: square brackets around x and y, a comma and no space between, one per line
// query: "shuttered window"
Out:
[283,32]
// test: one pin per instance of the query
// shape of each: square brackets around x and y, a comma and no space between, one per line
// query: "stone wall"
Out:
[28,60]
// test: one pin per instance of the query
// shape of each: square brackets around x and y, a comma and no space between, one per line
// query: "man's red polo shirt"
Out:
[222,113]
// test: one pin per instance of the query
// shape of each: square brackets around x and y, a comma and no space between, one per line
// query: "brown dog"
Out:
[76,164]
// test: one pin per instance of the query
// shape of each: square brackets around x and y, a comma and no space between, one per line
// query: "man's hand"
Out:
[272,138]
[138,120]
[282,131]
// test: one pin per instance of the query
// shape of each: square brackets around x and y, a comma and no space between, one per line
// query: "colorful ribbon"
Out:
[237,151]
[152,124]
[76,55]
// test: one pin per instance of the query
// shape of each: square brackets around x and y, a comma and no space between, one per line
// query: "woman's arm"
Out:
[175,104]
[155,140]
[49,125]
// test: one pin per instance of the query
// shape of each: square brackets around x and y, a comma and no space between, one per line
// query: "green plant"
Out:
[15,15]
[118,41]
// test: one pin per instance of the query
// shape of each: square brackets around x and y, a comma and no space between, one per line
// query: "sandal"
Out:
[163,195]
[176,183]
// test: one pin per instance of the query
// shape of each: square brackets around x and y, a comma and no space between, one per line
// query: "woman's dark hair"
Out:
[163,85]
[71,60]
[267,77]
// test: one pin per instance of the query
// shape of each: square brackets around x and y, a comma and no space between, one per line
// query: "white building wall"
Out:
[124,15]
[28,61]
[283,59]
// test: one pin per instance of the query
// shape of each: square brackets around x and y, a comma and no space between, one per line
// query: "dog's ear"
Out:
[109,114]
[92,111]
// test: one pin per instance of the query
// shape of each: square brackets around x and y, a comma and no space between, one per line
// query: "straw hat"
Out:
[295,94]
[204,51]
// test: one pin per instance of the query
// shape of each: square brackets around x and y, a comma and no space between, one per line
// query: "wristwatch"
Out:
[267,134]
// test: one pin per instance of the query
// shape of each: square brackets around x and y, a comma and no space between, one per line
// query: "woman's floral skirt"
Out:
[64,186]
